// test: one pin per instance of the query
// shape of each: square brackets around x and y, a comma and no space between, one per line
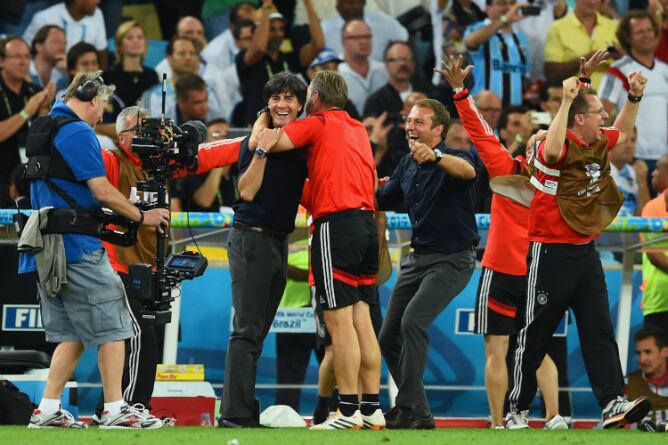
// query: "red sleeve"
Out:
[215,154]
[304,132]
[613,136]
[306,196]
[494,155]
[111,167]
[541,147]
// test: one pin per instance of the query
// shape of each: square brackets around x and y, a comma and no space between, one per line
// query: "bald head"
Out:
[192,28]
[489,106]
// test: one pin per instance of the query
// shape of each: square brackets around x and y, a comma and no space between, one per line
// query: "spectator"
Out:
[630,175]
[578,34]
[655,259]
[638,35]
[129,74]
[534,29]
[515,128]
[651,380]
[383,27]
[264,57]
[363,75]
[82,21]
[83,57]
[221,51]
[327,60]
[225,83]
[191,28]
[489,106]
[192,99]
[210,191]
[400,66]
[549,97]
[183,60]
[22,101]
[19,188]
[500,55]
[48,57]
[658,10]
[457,138]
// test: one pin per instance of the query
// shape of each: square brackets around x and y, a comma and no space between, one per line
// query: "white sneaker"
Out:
[131,417]
[517,421]
[499,427]
[60,419]
[619,412]
[341,422]
[556,423]
[375,421]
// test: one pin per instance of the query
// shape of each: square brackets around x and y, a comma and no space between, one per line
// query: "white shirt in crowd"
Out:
[164,67]
[627,183]
[89,29]
[58,77]
[652,121]
[225,85]
[220,51]
[384,29]
[360,88]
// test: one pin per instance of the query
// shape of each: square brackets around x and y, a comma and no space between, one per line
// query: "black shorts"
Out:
[344,258]
[499,297]
[323,339]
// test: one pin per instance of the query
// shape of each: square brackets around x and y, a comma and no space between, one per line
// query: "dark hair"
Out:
[235,9]
[648,331]
[285,82]
[579,105]
[17,178]
[218,120]
[503,119]
[5,41]
[624,28]
[41,37]
[391,43]
[170,46]
[441,115]
[188,83]
[78,50]
[236,31]
[543,93]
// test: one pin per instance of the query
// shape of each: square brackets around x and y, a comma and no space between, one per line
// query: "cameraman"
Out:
[124,171]
[88,308]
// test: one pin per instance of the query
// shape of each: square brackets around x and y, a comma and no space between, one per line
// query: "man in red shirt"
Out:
[575,198]
[342,177]
[503,281]
[124,170]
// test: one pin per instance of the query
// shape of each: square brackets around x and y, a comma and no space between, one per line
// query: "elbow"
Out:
[246,194]
[469,173]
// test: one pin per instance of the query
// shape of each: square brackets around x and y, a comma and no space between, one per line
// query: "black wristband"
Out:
[585,80]
[141,217]
[263,110]
[634,99]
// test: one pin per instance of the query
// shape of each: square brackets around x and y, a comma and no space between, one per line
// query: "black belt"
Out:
[263,230]
[424,250]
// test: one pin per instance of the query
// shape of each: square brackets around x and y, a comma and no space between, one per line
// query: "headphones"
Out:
[88,89]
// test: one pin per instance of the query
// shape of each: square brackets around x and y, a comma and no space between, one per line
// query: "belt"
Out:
[423,250]
[263,230]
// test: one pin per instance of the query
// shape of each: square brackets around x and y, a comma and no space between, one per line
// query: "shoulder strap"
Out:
[60,122]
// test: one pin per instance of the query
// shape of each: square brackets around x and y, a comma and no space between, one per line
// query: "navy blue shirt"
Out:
[275,204]
[440,207]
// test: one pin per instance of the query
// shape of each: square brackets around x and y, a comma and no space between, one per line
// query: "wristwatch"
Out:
[504,19]
[260,153]
[439,155]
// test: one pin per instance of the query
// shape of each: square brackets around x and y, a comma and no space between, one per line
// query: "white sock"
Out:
[49,406]
[114,407]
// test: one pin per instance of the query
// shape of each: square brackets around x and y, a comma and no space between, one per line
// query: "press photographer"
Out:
[82,299]
[125,171]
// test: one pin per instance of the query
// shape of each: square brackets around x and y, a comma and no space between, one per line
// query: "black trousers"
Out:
[142,355]
[562,276]
[258,267]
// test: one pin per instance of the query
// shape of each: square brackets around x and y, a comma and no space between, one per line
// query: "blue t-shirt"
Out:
[81,150]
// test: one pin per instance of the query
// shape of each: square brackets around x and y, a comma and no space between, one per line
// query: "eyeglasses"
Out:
[489,109]
[399,59]
[361,37]
[18,56]
[601,112]
[128,130]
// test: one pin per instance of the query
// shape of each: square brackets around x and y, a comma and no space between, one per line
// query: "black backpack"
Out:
[15,406]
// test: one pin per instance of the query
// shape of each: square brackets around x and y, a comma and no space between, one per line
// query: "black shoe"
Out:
[392,414]
[423,423]
[400,422]
[320,415]
[240,422]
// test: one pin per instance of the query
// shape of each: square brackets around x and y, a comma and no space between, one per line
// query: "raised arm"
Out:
[311,50]
[260,36]
[626,119]
[556,133]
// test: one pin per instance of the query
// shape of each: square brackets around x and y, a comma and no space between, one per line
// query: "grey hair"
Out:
[130,111]
[104,92]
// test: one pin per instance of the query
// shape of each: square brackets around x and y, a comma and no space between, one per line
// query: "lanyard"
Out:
[8,106]
[270,72]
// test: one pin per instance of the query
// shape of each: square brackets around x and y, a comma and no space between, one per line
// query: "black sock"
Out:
[370,404]
[405,411]
[348,404]
[323,403]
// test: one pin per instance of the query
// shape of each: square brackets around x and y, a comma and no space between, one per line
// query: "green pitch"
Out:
[203,435]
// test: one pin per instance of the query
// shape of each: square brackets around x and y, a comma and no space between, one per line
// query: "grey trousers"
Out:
[258,266]
[425,286]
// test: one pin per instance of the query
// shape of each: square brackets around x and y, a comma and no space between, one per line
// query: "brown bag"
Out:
[384,259]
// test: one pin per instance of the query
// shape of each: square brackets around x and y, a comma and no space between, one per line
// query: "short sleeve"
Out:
[305,132]
[81,151]
[553,49]
[612,87]
[469,30]
[613,136]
